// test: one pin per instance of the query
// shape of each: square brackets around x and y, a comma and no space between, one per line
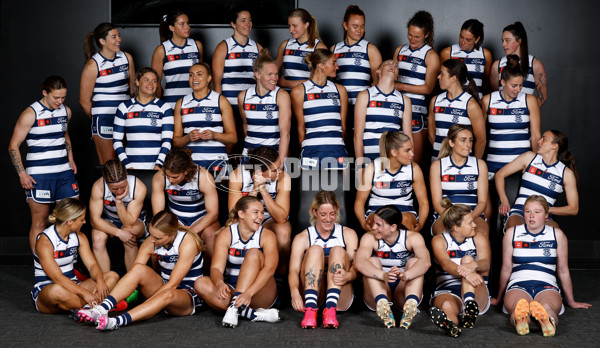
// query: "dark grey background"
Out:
[40,38]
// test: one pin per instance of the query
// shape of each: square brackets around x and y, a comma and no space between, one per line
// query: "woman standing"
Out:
[241,272]
[143,129]
[418,66]
[468,50]
[57,288]
[106,81]
[455,106]
[514,41]
[320,108]
[49,174]
[204,121]
[292,52]
[174,56]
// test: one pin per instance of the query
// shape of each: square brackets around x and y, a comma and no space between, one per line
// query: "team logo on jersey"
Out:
[383,255]
[173,57]
[455,119]
[414,67]
[535,171]
[336,102]
[357,61]
[552,185]
[374,103]
[314,96]
[547,253]
[269,115]
[471,186]
[235,55]
[518,119]
[396,113]
[209,117]
[521,245]
[249,107]
[133,114]
[44,122]
[153,122]
[106,72]
[448,178]
[382,185]
[235,252]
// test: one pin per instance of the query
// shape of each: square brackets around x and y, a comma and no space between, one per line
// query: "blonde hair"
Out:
[319,56]
[453,214]
[445,148]
[324,197]
[540,199]
[264,57]
[167,223]
[67,209]
[242,204]
[390,141]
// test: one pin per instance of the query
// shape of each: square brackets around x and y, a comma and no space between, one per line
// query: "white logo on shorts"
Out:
[106,130]
[42,194]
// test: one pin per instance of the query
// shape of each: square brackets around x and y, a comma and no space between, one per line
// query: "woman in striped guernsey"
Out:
[322,264]
[106,81]
[49,175]
[418,67]
[514,41]
[513,118]
[320,108]
[204,121]
[191,195]
[241,273]
[357,58]
[393,262]
[143,127]
[178,253]
[391,180]
[533,255]
[292,52]
[462,261]
[468,50]
[57,248]
[116,210]
[547,172]
[173,58]
[233,58]
[460,177]
[457,105]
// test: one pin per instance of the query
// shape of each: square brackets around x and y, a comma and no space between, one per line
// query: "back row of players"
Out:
[203,121]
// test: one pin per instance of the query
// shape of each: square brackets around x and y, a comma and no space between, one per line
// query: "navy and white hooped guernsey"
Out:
[167,259]
[237,72]
[456,251]
[186,200]
[47,152]
[111,88]
[65,255]
[355,70]
[248,186]
[412,71]
[475,62]
[109,210]
[540,178]
[528,83]
[393,255]
[534,256]
[509,130]
[237,251]
[392,188]
[336,238]
[449,112]
[204,114]
[294,66]
[262,119]
[323,126]
[176,68]
[384,113]
[147,131]
[459,184]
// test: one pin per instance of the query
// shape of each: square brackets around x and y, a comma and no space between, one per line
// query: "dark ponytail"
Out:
[564,154]
[512,68]
[92,39]
[423,20]
[458,68]
[518,31]
[475,27]
[167,21]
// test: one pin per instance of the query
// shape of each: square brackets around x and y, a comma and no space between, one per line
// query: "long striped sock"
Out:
[310,298]
[333,295]
[123,319]
[109,303]
[248,313]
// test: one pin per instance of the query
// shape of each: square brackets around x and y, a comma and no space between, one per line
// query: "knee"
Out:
[202,286]
[253,255]
[337,253]
[111,276]
[99,239]
[315,251]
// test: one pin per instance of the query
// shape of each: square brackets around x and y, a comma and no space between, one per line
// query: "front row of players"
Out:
[325,260]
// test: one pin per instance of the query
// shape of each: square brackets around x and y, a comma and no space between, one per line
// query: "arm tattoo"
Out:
[538,87]
[14,157]
[310,278]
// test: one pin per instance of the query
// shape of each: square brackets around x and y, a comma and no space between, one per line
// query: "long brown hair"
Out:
[313,31]
[179,160]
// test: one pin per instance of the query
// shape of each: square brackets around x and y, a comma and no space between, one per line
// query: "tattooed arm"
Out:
[24,124]
[541,82]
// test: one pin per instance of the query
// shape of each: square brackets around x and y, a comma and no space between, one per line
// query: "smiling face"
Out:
[383,230]
[298,29]
[535,216]
[112,41]
[55,98]
[466,228]
[326,216]
[243,24]
[510,44]
[416,37]
[147,84]
[181,27]
[512,87]
[467,40]
[268,76]
[199,77]
[462,143]
[252,217]
[355,28]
